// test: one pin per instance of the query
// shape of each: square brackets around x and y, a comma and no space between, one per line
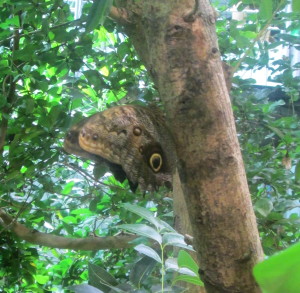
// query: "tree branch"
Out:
[50,240]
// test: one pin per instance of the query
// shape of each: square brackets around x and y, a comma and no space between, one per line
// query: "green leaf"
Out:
[149,216]
[297,173]
[93,206]
[84,288]
[98,13]
[146,250]
[264,206]
[296,6]
[141,270]
[185,260]
[93,77]
[276,131]
[9,22]
[23,169]
[68,187]
[289,38]
[99,170]
[189,279]
[82,211]
[100,278]
[266,9]
[175,239]
[69,220]
[25,54]
[142,230]
[280,273]
[144,213]
[42,279]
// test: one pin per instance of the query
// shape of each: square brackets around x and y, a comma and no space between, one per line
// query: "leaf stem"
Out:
[162,269]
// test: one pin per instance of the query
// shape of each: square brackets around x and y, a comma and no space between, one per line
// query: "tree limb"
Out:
[54,241]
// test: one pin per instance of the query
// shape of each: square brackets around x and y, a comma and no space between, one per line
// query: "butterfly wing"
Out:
[135,138]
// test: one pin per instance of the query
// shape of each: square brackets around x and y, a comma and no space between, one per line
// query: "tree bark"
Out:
[183,226]
[177,42]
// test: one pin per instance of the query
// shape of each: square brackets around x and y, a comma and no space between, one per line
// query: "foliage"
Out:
[165,236]
[53,73]
[267,118]
[280,272]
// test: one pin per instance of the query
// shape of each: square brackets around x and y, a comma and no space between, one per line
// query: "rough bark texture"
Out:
[183,225]
[177,42]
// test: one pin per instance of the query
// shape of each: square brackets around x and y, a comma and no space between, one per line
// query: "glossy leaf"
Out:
[185,260]
[142,230]
[85,288]
[280,273]
[144,213]
[264,206]
[189,279]
[98,13]
[148,251]
[142,270]
[175,239]
[68,187]
[100,278]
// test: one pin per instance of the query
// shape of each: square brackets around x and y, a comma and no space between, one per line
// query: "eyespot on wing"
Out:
[156,162]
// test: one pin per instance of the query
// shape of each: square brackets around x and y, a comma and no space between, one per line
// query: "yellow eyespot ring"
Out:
[155,162]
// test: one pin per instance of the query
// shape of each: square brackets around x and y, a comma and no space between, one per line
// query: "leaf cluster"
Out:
[144,266]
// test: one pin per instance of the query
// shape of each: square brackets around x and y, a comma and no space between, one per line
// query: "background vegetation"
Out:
[53,73]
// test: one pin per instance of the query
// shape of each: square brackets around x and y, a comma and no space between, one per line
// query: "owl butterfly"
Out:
[132,140]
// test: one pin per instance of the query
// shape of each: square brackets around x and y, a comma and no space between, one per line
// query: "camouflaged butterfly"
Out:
[132,140]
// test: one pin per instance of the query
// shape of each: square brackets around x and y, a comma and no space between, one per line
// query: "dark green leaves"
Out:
[142,270]
[165,236]
[100,279]
[98,13]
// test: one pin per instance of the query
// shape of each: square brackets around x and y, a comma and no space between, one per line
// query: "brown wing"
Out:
[71,146]
[134,137]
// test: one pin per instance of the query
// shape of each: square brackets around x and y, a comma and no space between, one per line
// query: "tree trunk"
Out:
[183,225]
[177,42]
